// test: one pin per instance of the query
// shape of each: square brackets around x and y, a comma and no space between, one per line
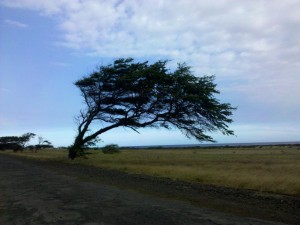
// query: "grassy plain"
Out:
[271,169]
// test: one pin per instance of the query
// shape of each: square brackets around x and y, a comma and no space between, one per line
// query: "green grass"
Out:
[271,169]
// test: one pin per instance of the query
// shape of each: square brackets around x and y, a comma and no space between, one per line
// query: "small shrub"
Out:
[111,149]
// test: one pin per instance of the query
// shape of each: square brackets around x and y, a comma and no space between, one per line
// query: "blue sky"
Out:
[253,48]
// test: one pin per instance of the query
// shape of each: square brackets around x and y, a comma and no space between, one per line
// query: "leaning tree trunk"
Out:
[76,149]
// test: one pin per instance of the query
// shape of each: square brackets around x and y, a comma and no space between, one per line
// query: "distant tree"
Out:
[15,143]
[111,149]
[25,138]
[10,142]
[42,143]
[40,140]
[138,95]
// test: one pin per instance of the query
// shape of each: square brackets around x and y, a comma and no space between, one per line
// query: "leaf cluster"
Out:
[138,95]
[15,142]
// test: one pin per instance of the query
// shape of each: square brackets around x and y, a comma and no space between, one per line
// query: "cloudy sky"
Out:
[252,46]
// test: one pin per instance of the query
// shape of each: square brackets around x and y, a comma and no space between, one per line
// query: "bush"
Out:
[111,149]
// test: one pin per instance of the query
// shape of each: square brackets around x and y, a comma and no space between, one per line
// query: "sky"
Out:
[251,46]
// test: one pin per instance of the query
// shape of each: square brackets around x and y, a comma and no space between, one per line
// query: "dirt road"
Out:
[37,193]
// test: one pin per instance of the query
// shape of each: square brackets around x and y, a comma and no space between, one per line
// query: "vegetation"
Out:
[138,95]
[42,144]
[271,169]
[16,143]
[20,143]
[111,149]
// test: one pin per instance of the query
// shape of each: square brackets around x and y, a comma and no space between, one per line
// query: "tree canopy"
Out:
[139,94]
[15,142]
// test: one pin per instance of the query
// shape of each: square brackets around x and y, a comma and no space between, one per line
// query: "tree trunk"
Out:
[76,149]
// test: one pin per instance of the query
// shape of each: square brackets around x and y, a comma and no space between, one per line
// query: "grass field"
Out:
[271,169]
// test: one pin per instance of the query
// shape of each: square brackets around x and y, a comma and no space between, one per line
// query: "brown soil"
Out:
[34,192]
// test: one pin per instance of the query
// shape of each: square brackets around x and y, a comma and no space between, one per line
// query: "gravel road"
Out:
[37,193]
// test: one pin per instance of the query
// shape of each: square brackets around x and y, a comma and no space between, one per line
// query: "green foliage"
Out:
[16,143]
[138,95]
[92,143]
[25,138]
[111,149]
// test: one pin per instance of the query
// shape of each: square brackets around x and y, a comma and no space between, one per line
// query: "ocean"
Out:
[216,145]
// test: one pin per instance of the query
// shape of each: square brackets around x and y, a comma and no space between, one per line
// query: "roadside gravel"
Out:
[37,193]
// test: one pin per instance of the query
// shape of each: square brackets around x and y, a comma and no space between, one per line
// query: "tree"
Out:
[25,138]
[42,143]
[137,95]
[10,142]
[15,143]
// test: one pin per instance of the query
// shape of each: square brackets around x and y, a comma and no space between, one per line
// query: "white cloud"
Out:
[16,23]
[59,64]
[255,44]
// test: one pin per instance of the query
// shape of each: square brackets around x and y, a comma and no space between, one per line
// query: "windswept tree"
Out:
[138,95]
[25,138]
[42,143]
[15,143]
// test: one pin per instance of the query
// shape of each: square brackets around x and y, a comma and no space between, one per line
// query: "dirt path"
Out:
[37,193]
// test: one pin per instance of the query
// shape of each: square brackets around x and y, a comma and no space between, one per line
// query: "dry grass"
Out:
[271,169]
